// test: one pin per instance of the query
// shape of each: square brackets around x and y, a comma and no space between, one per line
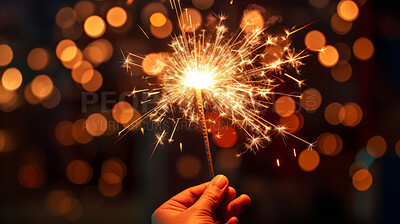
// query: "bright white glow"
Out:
[198,80]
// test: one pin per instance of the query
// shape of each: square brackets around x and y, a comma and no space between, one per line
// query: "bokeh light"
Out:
[94,83]
[188,166]
[329,144]
[350,114]
[65,18]
[342,71]
[252,20]
[292,123]
[83,10]
[152,64]
[347,10]
[79,172]
[113,171]
[190,19]
[310,99]
[94,26]
[82,72]
[96,124]
[315,40]
[99,51]
[124,113]
[328,56]
[363,48]
[228,159]
[163,31]
[226,137]
[116,17]
[38,58]
[356,166]
[362,180]
[42,86]
[319,3]
[344,51]
[332,113]
[308,160]
[59,202]
[339,25]
[285,106]
[31,176]
[213,122]
[11,79]
[158,19]
[79,132]
[52,100]
[109,190]
[6,54]
[376,146]
[63,133]
[202,4]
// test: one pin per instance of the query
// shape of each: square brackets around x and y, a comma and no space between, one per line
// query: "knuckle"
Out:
[211,196]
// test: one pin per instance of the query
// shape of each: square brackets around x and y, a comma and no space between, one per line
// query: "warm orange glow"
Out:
[347,10]
[363,48]
[65,18]
[113,171]
[31,176]
[38,58]
[158,19]
[376,146]
[226,137]
[83,10]
[350,115]
[293,123]
[82,72]
[202,4]
[79,132]
[252,20]
[61,46]
[397,148]
[213,122]
[319,3]
[163,31]
[94,83]
[42,86]
[188,166]
[328,56]
[109,190]
[284,106]
[152,64]
[123,112]
[29,97]
[3,140]
[94,26]
[332,113]
[342,71]
[315,40]
[362,180]
[310,99]
[59,202]
[308,160]
[99,51]
[116,17]
[329,144]
[340,26]
[6,96]
[356,166]
[79,172]
[53,99]
[190,19]
[96,124]
[11,79]
[228,159]
[6,54]
[63,133]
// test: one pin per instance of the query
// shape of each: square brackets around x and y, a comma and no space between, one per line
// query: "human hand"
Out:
[199,204]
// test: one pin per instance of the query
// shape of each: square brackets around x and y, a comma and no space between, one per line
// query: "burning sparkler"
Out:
[234,77]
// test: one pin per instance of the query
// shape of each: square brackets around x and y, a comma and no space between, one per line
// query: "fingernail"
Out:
[220,181]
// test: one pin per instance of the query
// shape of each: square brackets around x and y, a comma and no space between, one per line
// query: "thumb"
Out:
[214,194]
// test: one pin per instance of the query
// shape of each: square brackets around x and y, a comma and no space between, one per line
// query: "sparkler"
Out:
[234,77]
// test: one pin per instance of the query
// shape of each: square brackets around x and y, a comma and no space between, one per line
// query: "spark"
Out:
[180,146]
[143,32]
[294,152]
[229,76]
[142,130]
[277,162]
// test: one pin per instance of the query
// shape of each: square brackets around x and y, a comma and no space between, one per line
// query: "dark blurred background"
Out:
[64,98]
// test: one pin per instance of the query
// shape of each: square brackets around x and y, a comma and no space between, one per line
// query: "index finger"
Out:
[189,196]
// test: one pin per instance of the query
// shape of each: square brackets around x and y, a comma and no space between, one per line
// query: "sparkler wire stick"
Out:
[200,107]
